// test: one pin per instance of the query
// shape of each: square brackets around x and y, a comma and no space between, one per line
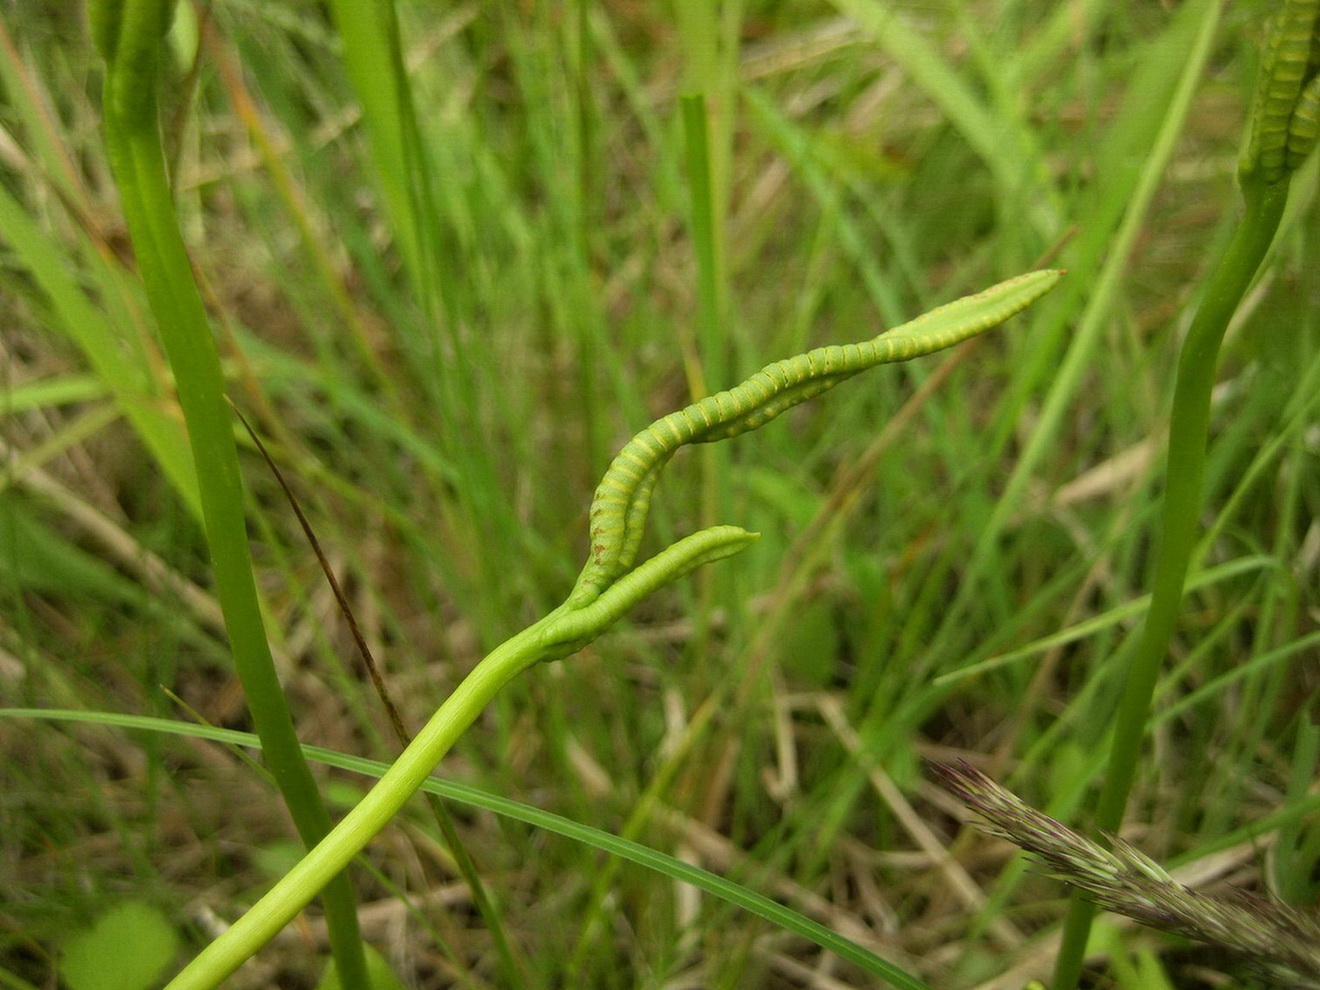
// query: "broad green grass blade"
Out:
[129,36]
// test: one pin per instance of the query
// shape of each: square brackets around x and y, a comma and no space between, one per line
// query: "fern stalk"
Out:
[1282,135]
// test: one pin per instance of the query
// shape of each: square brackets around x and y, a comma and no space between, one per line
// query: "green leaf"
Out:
[129,947]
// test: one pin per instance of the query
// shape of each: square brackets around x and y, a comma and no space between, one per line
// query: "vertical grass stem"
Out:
[128,35]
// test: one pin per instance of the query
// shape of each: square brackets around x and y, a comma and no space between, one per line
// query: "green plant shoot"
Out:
[609,585]
[1283,134]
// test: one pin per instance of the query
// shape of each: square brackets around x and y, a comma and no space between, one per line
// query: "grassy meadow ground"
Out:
[443,351]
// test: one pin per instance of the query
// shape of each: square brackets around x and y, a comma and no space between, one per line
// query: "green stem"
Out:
[297,887]
[564,631]
[1185,472]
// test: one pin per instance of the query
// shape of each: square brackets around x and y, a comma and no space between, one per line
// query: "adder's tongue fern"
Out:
[1283,133]
[610,584]
[1286,116]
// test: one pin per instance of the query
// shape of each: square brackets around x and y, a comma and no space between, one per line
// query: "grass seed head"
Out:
[1282,942]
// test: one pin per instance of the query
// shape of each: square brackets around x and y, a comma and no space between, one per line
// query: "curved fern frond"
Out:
[618,512]
[1287,74]
[1304,128]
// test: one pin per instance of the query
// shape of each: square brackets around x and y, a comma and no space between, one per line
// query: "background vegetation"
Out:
[445,340]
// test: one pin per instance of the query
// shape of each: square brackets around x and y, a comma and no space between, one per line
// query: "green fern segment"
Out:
[1285,108]
[1304,127]
[619,509]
